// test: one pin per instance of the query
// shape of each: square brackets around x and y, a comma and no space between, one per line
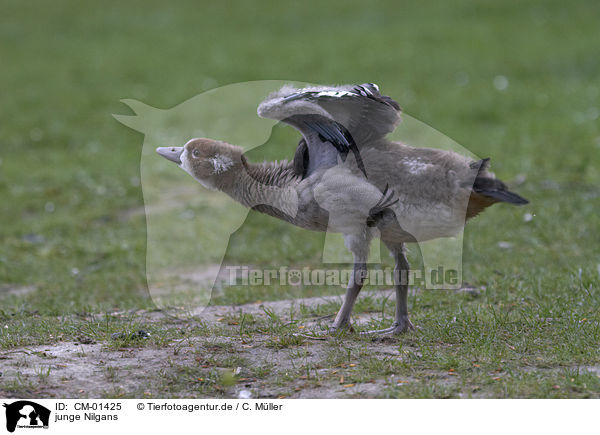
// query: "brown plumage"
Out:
[478,203]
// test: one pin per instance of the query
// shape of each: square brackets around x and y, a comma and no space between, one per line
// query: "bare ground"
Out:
[224,364]
[211,354]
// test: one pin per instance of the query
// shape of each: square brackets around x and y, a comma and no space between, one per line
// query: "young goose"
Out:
[347,177]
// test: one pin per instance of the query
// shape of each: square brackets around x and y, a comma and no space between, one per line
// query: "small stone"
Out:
[244,394]
[84,339]
[500,83]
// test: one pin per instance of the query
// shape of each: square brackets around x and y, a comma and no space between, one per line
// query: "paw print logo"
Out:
[294,277]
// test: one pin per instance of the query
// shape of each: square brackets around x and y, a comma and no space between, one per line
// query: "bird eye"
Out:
[196,153]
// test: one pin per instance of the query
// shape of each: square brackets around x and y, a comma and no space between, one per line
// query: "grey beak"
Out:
[171,153]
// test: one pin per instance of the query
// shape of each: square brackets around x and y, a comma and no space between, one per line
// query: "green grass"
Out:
[70,177]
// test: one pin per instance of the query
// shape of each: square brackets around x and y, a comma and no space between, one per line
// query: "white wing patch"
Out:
[220,163]
[335,94]
[416,166]
[309,93]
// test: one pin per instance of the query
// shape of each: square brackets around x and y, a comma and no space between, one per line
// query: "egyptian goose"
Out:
[347,177]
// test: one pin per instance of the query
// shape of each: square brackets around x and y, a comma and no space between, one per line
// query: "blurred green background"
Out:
[515,81]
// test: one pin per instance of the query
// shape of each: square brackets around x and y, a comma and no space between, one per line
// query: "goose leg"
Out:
[359,246]
[342,320]
[401,322]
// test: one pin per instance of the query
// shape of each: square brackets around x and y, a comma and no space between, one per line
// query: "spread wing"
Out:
[333,120]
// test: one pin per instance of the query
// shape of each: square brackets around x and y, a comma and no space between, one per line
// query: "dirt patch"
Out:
[290,308]
[77,370]
[7,289]
[74,370]
[222,362]
[258,350]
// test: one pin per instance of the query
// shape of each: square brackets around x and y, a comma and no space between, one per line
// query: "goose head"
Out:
[209,161]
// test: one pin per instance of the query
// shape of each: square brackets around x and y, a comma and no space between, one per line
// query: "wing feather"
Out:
[333,120]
